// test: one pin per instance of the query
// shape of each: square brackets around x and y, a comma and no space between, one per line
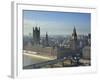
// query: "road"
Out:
[30,57]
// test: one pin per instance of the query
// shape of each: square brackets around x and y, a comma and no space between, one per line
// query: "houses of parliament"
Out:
[43,45]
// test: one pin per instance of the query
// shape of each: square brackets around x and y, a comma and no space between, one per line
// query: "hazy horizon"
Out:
[56,23]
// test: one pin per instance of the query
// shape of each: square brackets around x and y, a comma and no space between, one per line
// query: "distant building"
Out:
[36,35]
[66,52]
[72,49]
[74,41]
[46,41]
[86,52]
[89,39]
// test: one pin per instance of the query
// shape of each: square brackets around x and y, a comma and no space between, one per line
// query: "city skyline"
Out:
[56,23]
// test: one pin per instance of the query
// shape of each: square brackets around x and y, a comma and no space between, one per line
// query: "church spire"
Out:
[74,34]
[46,39]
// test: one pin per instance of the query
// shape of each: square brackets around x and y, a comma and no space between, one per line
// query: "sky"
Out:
[56,23]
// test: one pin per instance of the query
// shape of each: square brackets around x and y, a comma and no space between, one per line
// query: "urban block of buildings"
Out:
[75,46]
